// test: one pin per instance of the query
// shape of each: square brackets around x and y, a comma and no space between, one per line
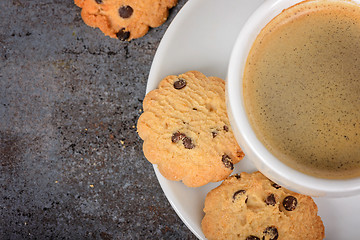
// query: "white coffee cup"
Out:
[264,161]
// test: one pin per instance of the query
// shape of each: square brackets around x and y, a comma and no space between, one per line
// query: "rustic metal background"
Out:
[72,165]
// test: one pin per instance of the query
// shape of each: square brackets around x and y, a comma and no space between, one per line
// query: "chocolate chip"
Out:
[214,134]
[125,11]
[195,109]
[227,161]
[179,84]
[252,237]
[276,186]
[98,1]
[290,203]
[176,137]
[272,232]
[238,193]
[270,200]
[123,35]
[238,176]
[188,143]
[226,128]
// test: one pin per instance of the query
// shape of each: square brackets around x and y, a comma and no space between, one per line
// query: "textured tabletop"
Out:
[72,165]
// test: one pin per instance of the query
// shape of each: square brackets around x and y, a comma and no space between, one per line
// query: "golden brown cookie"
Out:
[251,207]
[125,19]
[186,130]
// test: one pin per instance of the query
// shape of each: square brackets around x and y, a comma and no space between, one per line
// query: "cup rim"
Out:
[264,161]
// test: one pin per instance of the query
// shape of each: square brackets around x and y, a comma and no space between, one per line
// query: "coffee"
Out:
[301,88]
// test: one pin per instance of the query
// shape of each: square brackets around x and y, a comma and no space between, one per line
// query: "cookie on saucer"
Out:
[186,130]
[251,207]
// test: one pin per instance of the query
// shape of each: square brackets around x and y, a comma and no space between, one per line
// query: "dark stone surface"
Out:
[72,165]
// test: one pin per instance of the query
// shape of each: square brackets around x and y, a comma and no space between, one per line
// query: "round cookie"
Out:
[125,19]
[186,130]
[251,207]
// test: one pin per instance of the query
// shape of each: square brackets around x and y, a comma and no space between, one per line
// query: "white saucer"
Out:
[201,38]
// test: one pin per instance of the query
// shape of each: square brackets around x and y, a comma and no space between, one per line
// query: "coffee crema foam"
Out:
[302,88]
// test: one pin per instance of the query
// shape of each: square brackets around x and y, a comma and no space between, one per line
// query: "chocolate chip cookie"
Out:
[251,207]
[125,19]
[186,130]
